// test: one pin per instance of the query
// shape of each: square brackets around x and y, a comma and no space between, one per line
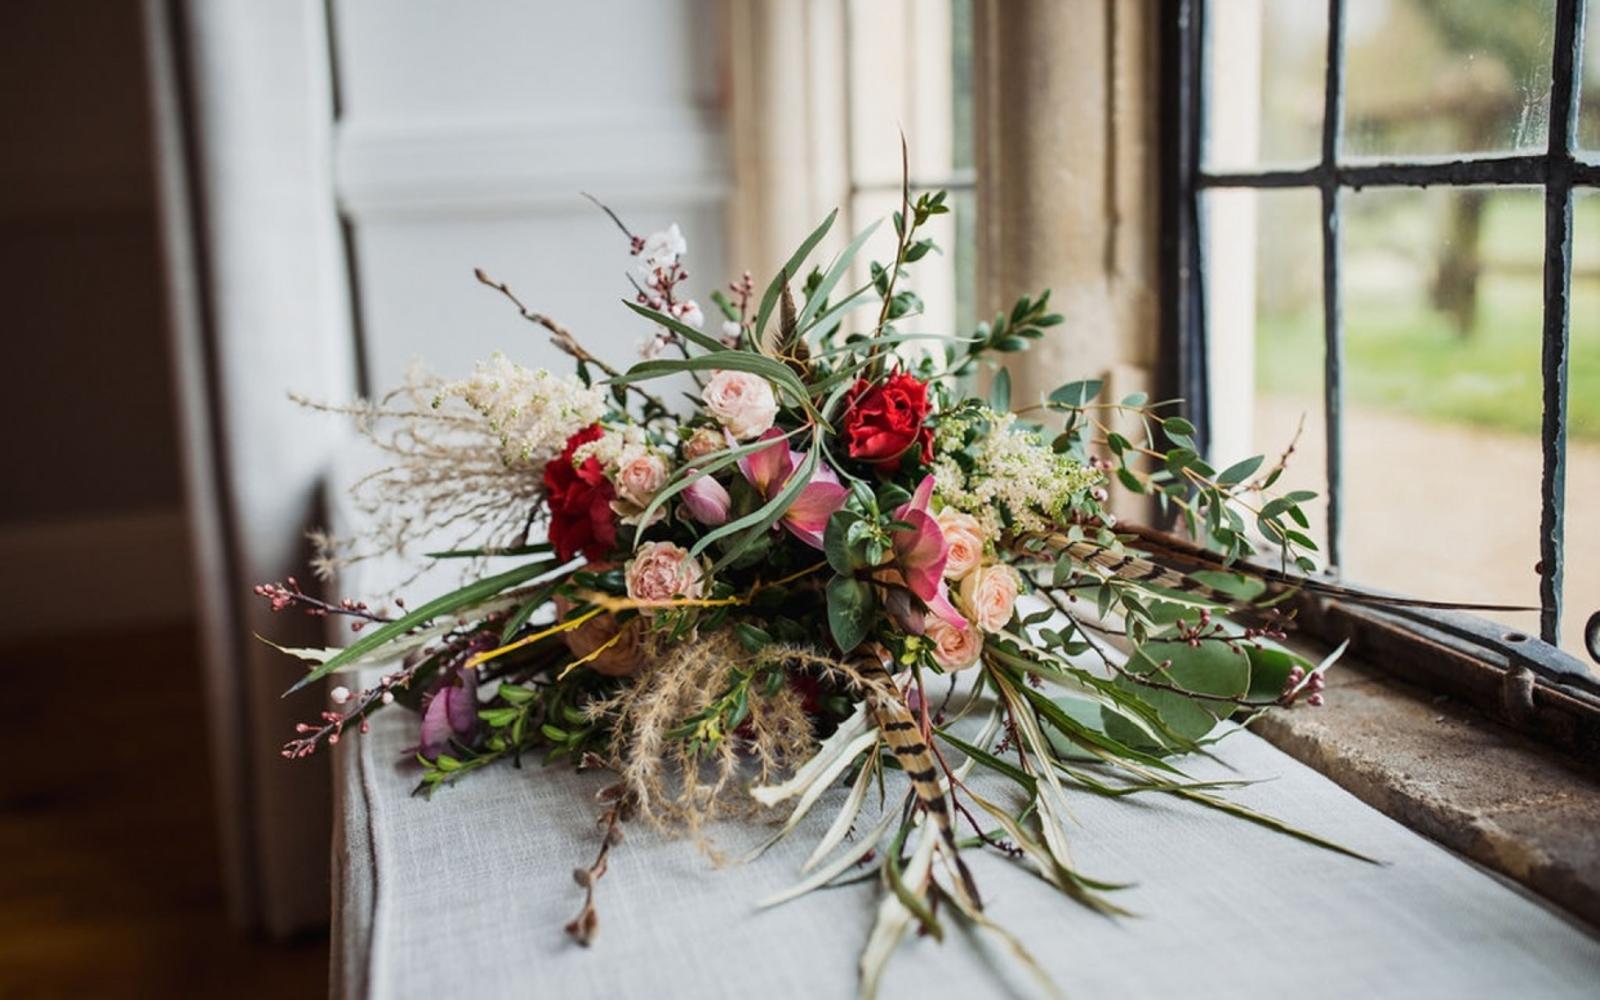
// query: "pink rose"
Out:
[641,477]
[741,402]
[706,500]
[953,648]
[704,441]
[661,571]
[963,534]
[988,594]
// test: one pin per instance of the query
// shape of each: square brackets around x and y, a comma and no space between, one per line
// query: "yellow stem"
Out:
[556,629]
[575,664]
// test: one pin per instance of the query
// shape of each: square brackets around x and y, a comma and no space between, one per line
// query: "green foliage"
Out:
[455,601]
[852,607]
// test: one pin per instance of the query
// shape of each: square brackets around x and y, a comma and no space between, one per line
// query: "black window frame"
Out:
[1519,678]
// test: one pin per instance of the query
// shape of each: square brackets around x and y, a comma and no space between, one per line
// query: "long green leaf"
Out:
[763,517]
[456,600]
[792,269]
[682,329]
[542,548]
[744,361]
[520,617]
[855,300]
[840,265]
[990,761]
[891,340]
[1079,733]
[687,475]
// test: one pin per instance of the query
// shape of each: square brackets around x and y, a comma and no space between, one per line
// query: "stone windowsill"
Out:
[1499,798]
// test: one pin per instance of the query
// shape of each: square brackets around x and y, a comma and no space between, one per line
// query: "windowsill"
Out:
[1445,770]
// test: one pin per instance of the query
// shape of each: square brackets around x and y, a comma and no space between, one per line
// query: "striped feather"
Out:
[1135,569]
[905,738]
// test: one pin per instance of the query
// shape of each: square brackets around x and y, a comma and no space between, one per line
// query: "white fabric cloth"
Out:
[466,894]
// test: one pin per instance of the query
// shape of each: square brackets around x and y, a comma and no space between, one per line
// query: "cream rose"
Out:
[988,594]
[704,441]
[953,648]
[963,538]
[660,571]
[741,402]
[640,477]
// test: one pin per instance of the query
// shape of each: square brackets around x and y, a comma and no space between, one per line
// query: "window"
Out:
[909,69]
[1382,218]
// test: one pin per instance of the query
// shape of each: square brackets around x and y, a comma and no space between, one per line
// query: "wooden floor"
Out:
[110,884]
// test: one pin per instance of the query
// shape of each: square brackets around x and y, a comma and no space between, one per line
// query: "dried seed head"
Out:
[583,877]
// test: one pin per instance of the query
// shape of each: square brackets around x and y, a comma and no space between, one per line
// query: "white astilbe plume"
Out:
[533,411]
[466,459]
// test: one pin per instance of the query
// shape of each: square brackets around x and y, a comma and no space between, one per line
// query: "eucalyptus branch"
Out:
[1144,679]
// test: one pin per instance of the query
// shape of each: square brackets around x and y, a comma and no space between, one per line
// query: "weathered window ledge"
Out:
[1442,768]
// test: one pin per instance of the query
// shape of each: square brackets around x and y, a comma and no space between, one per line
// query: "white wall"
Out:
[467,133]
[447,136]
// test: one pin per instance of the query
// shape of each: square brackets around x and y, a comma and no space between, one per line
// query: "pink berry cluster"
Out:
[1293,688]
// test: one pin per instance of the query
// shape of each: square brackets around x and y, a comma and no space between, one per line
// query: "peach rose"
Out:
[641,477]
[988,594]
[741,402]
[704,441]
[963,537]
[953,648]
[660,571]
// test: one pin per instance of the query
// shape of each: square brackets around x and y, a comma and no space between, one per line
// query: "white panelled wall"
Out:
[466,136]
[444,137]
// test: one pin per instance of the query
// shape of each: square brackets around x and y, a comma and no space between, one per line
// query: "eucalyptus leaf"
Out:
[851,607]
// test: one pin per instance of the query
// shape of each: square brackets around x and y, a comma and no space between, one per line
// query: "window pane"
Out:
[1581,592]
[1265,67]
[1436,77]
[1264,331]
[1589,105]
[910,71]
[1443,307]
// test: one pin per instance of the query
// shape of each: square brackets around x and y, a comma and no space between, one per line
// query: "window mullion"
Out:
[1332,303]
[1557,308]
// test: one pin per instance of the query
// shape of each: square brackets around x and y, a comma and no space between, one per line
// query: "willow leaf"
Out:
[688,475]
[456,600]
[759,520]
[845,818]
[841,264]
[679,327]
[542,548]
[838,866]
[773,371]
[790,269]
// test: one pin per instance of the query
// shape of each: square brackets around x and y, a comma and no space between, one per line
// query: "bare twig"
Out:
[586,924]
[563,338]
[602,206]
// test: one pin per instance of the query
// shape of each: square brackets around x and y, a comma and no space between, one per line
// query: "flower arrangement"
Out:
[740,606]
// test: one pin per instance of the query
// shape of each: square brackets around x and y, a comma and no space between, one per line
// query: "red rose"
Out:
[883,421]
[581,519]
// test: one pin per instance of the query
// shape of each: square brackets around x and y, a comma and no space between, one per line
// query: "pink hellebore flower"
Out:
[707,501]
[451,713]
[769,468]
[920,554]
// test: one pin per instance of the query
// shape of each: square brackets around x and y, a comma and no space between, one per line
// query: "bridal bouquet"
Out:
[738,601]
